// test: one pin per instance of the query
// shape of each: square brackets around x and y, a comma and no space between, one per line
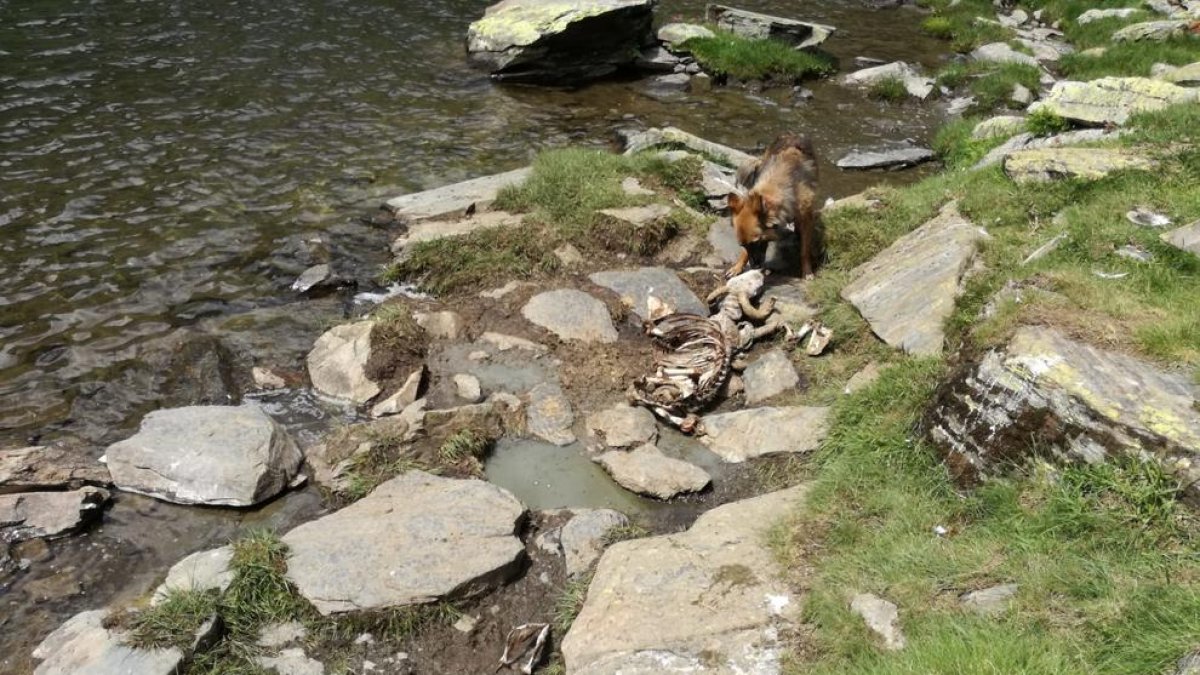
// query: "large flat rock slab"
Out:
[885,158]
[756,26]
[1111,100]
[39,467]
[646,471]
[771,375]
[1027,141]
[540,41]
[745,434]
[916,84]
[83,646]
[415,539]
[1186,237]
[637,285]
[1080,403]
[435,229]
[1050,164]
[908,291]
[455,198]
[338,361]
[707,600]
[27,515]
[215,455]
[651,138]
[571,315]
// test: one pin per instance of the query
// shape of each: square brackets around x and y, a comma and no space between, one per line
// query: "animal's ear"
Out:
[735,202]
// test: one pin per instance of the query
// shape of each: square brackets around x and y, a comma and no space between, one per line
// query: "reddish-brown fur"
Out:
[781,191]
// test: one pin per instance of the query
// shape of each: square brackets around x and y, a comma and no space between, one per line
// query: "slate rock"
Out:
[885,158]
[645,470]
[28,515]
[582,537]
[1001,52]
[622,426]
[200,571]
[83,645]
[214,455]
[338,360]
[744,434]
[41,467]
[571,315]
[456,197]
[1186,237]
[673,35]
[770,375]
[415,539]
[756,26]
[637,285]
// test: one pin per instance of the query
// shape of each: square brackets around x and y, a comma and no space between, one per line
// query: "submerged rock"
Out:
[744,434]
[908,290]
[1080,403]
[1111,100]
[637,285]
[337,363]
[885,158]
[755,26]
[415,539]
[214,455]
[559,42]
[1060,163]
[549,415]
[646,471]
[29,515]
[705,600]
[84,645]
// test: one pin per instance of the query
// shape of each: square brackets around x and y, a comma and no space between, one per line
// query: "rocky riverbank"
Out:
[969,441]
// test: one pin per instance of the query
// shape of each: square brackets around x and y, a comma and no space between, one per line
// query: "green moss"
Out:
[939,27]
[746,59]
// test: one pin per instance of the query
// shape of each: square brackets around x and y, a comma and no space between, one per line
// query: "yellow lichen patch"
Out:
[524,24]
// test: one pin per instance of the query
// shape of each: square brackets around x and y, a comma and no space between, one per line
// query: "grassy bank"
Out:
[729,55]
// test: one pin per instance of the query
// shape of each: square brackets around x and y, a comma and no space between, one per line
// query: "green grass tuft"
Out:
[747,59]
[939,27]
[569,603]
[888,89]
[174,621]
[1128,59]
[1045,123]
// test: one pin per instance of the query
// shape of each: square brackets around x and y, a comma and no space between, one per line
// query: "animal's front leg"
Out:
[804,225]
[743,258]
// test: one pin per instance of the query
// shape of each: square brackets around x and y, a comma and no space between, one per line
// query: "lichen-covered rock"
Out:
[755,26]
[1111,100]
[1001,125]
[214,455]
[556,41]
[1001,52]
[1049,164]
[1155,31]
[415,539]
[1079,403]
[708,600]
[1184,76]
[337,363]
[673,35]
[907,291]
[549,416]
[1027,141]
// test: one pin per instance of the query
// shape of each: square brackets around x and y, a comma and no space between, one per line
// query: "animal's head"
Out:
[752,215]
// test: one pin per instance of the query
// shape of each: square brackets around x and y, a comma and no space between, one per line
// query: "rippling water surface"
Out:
[167,165]
[158,155]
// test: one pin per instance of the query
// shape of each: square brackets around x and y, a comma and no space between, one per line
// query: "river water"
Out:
[166,165]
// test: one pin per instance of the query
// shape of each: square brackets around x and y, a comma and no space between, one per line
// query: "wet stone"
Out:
[337,363]
[885,158]
[41,467]
[29,515]
[645,470]
[549,415]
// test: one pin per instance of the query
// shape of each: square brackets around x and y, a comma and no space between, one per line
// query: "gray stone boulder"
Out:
[1049,164]
[885,158]
[989,601]
[621,426]
[29,515]
[770,375]
[583,537]
[214,455]
[744,434]
[415,539]
[917,85]
[881,617]
[800,34]
[673,35]
[1111,100]
[1184,76]
[549,416]
[1001,125]
[646,471]
[41,467]
[1186,238]
[338,360]
[1027,141]
[1001,52]
[571,315]
[641,613]
[670,136]
[456,197]
[556,42]
[1082,403]
[83,645]
[908,290]
[1098,14]
[200,571]
[1153,31]
[635,286]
